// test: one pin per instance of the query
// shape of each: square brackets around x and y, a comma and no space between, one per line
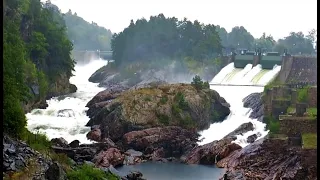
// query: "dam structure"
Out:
[250,68]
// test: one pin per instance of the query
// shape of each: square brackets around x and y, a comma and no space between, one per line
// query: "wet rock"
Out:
[136,175]
[211,152]
[132,157]
[60,142]
[254,101]
[17,155]
[174,140]
[111,156]
[158,154]
[243,128]
[252,138]
[271,159]
[94,135]
[74,144]
[55,172]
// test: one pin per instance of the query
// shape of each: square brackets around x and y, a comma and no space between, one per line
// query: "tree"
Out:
[85,35]
[266,43]
[165,38]
[239,37]
[36,53]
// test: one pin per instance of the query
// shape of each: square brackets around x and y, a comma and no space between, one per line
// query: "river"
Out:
[66,117]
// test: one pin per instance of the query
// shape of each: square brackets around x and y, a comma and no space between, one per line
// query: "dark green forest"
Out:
[166,38]
[85,35]
[169,38]
[36,53]
[295,42]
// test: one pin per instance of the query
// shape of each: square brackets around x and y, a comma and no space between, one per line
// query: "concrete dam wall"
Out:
[299,69]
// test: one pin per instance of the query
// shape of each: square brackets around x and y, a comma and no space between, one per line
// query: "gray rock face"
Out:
[243,128]
[254,101]
[17,155]
[55,172]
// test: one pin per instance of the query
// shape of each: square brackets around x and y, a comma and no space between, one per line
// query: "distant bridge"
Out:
[90,53]
[216,84]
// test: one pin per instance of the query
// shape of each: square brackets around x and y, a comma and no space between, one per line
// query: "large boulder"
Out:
[153,106]
[162,142]
[211,153]
[111,156]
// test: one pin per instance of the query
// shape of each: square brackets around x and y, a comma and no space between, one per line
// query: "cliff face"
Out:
[61,87]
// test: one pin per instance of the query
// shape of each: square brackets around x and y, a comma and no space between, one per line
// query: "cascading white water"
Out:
[239,115]
[223,73]
[252,73]
[237,79]
[65,116]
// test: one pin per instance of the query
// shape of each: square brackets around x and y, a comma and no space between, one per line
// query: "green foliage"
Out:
[199,84]
[176,111]
[187,121]
[43,84]
[312,112]
[14,119]
[164,99]
[38,141]
[272,124]
[309,140]
[302,94]
[163,119]
[147,98]
[85,35]
[181,102]
[30,34]
[87,172]
[61,158]
[165,38]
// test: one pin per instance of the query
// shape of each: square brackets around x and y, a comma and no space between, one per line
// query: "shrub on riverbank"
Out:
[87,172]
[272,124]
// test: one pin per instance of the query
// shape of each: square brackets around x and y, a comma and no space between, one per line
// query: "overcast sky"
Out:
[275,17]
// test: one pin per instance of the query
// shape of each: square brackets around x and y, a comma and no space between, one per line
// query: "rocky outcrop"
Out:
[158,143]
[211,153]
[83,152]
[111,156]
[254,101]
[270,159]
[117,112]
[60,87]
[21,161]
[243,128]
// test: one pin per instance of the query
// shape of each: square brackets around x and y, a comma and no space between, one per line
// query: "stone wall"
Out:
[291,125]
[283,93]
[297,69]
[276,93]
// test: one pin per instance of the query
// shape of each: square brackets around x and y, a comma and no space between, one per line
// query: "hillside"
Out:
[85,35]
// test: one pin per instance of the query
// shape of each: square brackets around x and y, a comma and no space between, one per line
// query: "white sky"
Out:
[275,17]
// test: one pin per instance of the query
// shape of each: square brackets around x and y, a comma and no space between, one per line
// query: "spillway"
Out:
[234,96]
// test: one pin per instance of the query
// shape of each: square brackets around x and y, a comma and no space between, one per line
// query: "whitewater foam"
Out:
[239,114]
[66,116]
